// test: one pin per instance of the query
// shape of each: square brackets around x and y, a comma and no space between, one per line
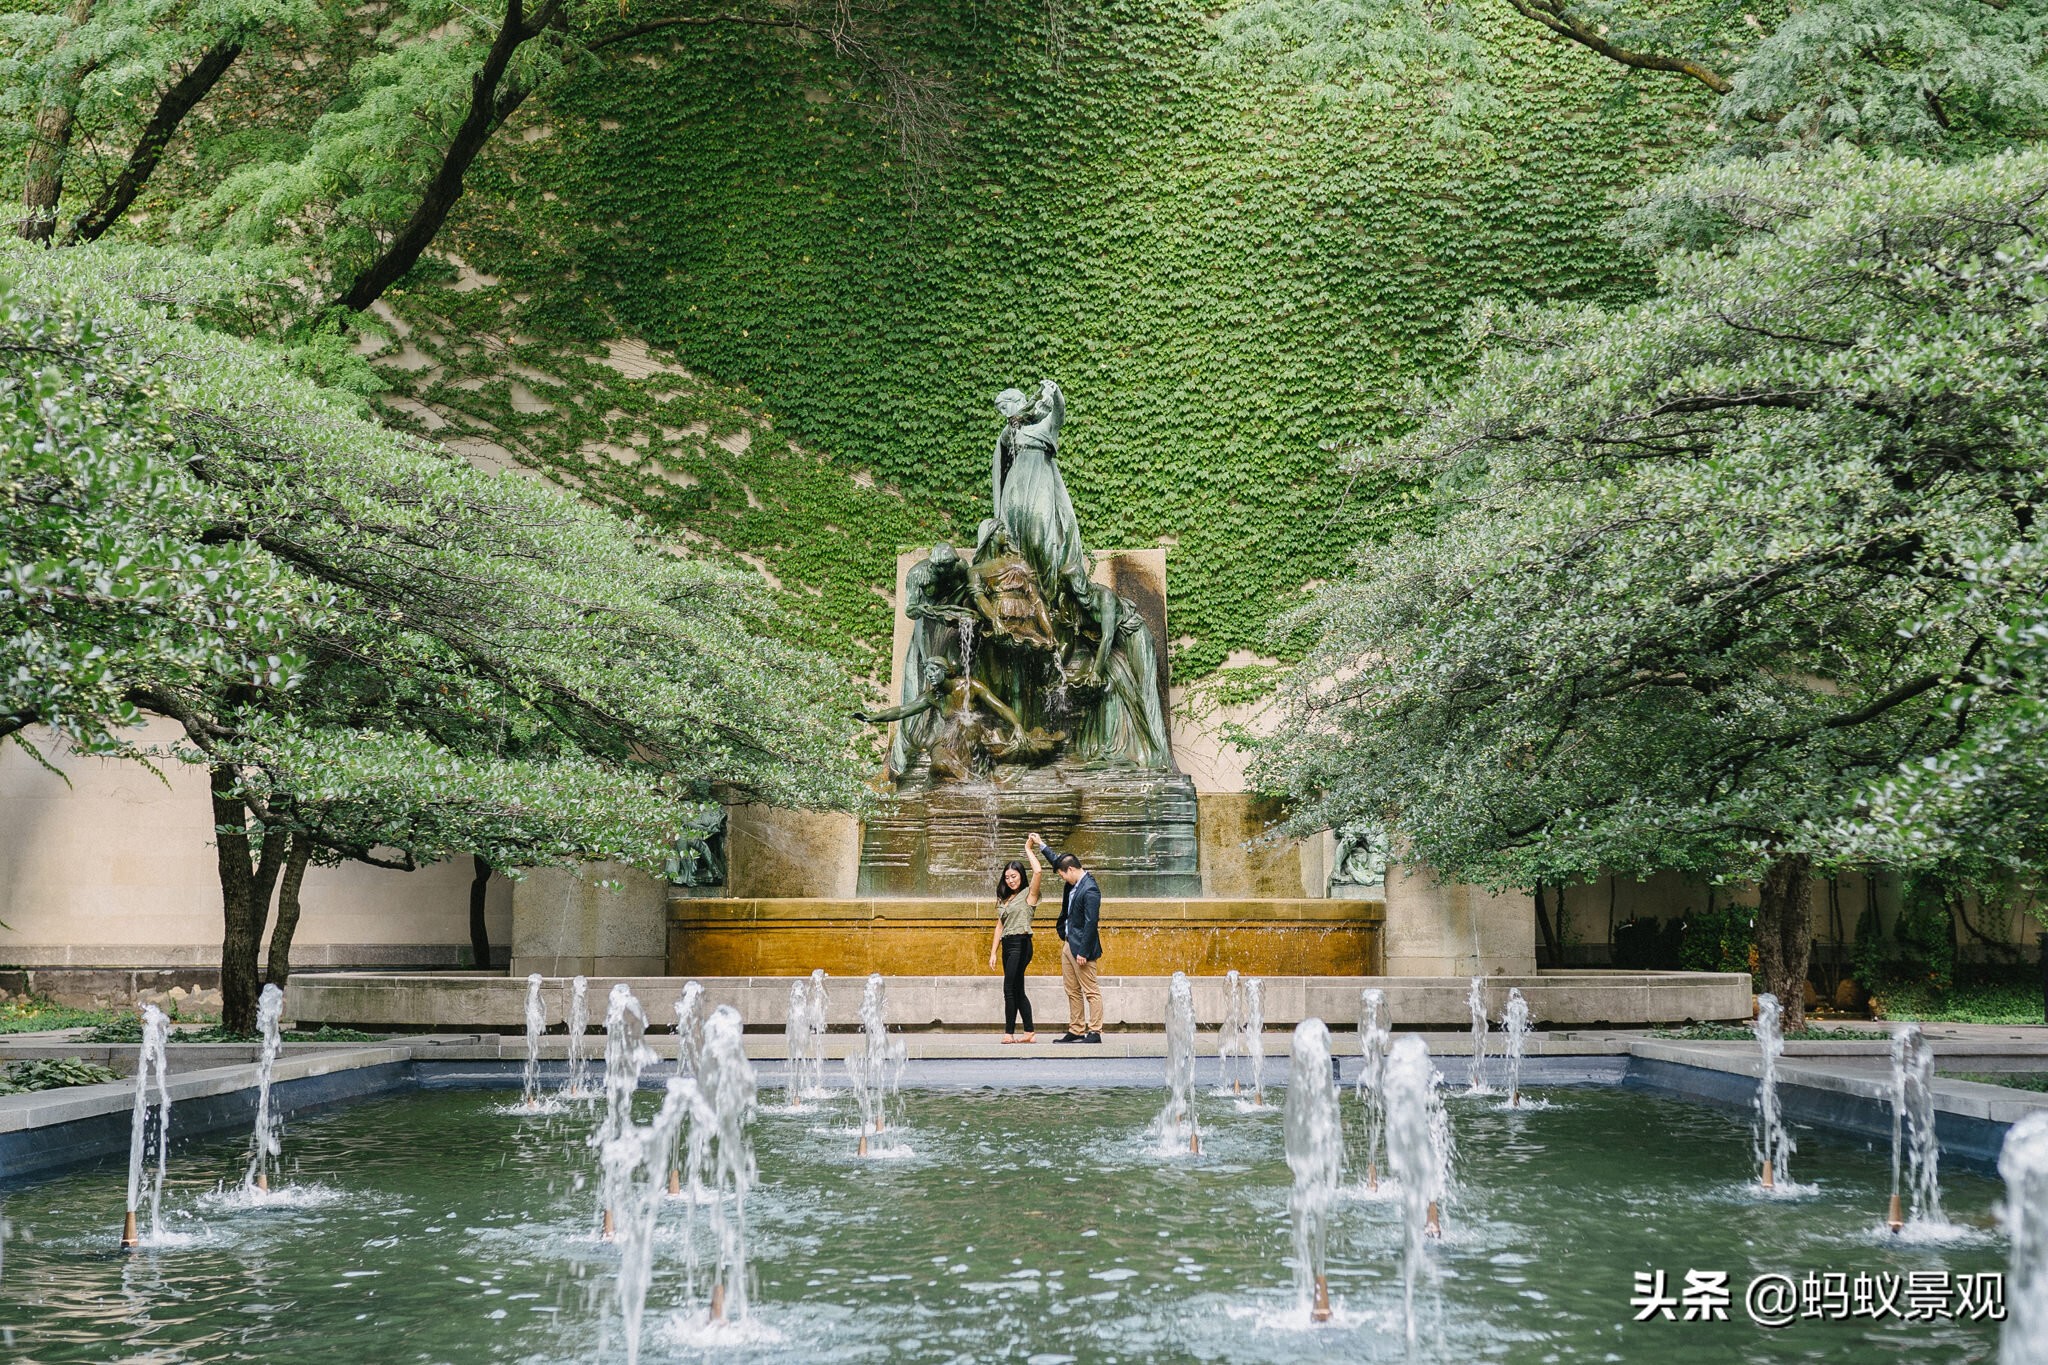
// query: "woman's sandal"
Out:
[1007,1038]
[1028,1038]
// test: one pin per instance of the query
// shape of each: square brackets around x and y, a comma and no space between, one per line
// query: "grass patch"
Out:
[2036,1081]
[52,1073]
[1739,1033]
[35,1015]
[1989,1002]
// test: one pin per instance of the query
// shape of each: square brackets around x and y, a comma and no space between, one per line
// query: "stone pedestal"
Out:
[565,924]
[1134,828]
[1436,928]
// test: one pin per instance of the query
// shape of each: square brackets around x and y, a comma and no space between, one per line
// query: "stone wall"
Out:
[112,866]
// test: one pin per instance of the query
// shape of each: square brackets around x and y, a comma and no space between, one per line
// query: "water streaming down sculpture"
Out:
[1314,1137]
[576,1085]
[1774,1145]
[1417,1156]
[1475,1006]
[1374,1040]
[536,1025]
[1916,1153]
[2023,1161]
[626,1055]
[266,1140]
[150,1128]
[727,1088]
[1176,1126]
[634,1161]
[876,1066]
[1514,1023]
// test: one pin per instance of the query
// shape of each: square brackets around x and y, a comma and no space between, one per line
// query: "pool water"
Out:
[1022,1225]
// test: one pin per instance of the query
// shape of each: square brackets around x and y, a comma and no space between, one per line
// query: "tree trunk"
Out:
[1784,933]
[49,143]
[245,898]
[1550,943]
[488,108]
[280,964]
[178,101]
[479,932]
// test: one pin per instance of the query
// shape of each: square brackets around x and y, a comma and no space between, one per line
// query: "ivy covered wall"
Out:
[1226,280]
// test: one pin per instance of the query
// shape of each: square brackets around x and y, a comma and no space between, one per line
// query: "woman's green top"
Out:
[1016,914]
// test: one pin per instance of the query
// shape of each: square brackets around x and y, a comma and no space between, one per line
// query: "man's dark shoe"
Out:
[1094,1038]
[1071,1038]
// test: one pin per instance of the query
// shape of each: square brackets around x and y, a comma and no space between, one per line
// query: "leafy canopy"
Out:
[1699,573]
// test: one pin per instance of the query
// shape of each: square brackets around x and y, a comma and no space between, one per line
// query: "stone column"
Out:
[565,924]
[1437,928]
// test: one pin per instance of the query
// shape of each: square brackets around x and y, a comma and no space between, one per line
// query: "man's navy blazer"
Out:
[1080,921]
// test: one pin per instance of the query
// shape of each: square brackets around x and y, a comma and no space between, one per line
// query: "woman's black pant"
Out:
[1016,957]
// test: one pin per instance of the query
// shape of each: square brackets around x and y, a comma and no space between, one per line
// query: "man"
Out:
[1079,931]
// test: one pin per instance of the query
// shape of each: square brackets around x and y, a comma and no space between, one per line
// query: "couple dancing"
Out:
[1079,935]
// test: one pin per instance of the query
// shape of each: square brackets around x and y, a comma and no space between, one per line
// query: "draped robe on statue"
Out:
[1031,497]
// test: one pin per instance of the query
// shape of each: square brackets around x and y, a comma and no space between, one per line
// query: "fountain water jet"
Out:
[1913,1142]
[727,1089]
[266,1141]
[876,1067]
[1176,1123]
[1418,1152]
[577,1086]
[626,1055]
[1475,1005]
[2023,1161]
[1255,1037]
[633,1162]
[1315,1154]
[536,1025]
[143,1136]
[1774,1146]
[805,1031]
[1374,1038]
[689,1050]
[1230,1045]
[1514,1021]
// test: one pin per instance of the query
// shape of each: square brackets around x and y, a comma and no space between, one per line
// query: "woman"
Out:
[1011,947]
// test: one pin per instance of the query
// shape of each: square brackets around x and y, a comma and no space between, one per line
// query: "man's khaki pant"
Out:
[1084,996]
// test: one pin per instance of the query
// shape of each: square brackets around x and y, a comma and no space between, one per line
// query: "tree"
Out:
[1693,585]
[104,572]
[490,667]
[1900,73]
[363,189]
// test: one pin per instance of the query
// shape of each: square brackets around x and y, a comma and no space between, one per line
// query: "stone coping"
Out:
[432,1003]
[1972,1099]
[1131,911]
[42,1108]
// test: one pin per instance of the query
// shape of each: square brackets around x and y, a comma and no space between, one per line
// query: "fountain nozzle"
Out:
[862,1150]
[263,1181]
[1372,1175]
[606,1232]
[1770,1180]
[675,1181]
[1195,1143]
[130,1238]
[1432,1223]
[1321,1312]
[718,1303]
[1895,1219]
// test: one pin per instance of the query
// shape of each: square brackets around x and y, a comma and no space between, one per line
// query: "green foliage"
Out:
[490,665]
[53,1073]
[104,576]
[1983,1003]
[1227,281]
[2035,1081]
[124,1027]
[1688,595]
[1947,75]
[1736,1033]
[37,1015]
[1717,940]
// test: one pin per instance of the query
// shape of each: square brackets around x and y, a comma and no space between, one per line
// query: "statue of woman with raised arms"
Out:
[1031,499]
